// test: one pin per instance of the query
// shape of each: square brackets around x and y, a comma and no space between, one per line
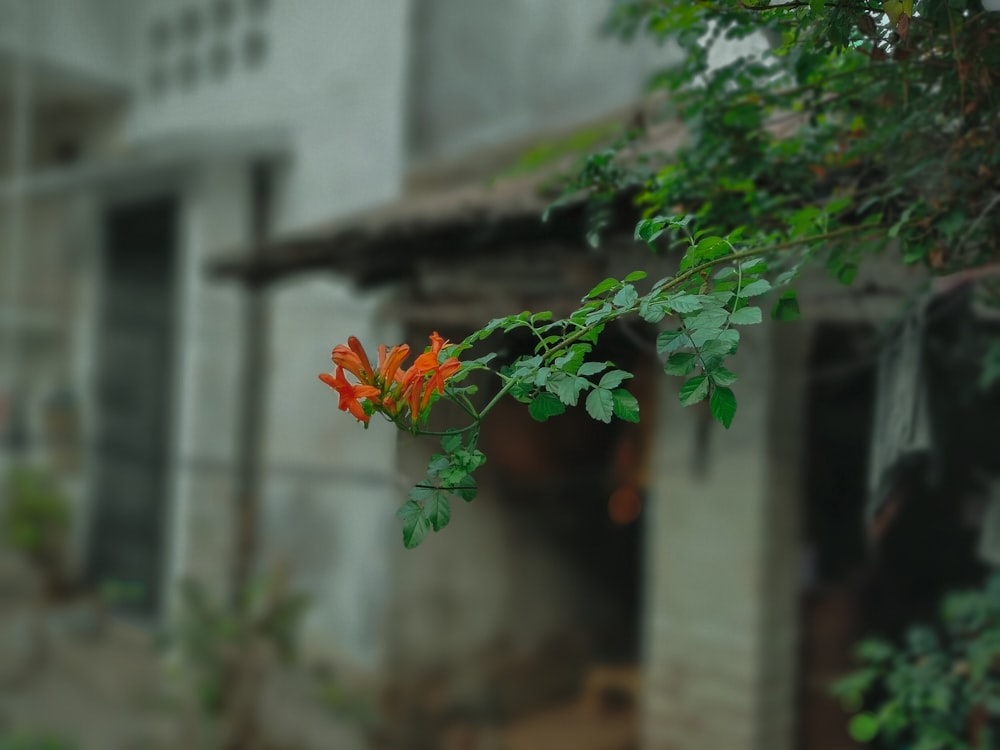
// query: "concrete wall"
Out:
[483,72]
[331,485]
[330,80]
[723,560]
[87,40]
[327,72]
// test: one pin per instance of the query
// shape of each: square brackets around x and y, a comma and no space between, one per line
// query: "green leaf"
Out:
[670,341]
[626,296]
[567,387]
[469,459]
[703,336]
[625,405]
[466,489]
[713,353]
[708,248]
[636,276]
[571,361]
[438,464]
[731,337]
[746,316]
[723,405]
[724,273]
[684,303]
[600,404]
[652,312]
[722,376]
[714,318]
[787,307]
[433,503]
[718,298]
[451,443]
[863,727]
[613,379]
[847,273]
[681,363]
[754,265]
[415,523]
[648,230]
[605,286]
[592,368]
[755,288]
[694,390]
[545,405]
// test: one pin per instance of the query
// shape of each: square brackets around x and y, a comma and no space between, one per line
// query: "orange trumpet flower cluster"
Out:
[389,388]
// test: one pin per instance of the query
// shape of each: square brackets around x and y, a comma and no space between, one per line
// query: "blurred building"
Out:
[144,139]
[351,145]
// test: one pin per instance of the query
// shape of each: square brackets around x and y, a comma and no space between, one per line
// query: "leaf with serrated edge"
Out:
[625,405]
[722,404]
[613,379]
[415,523]
[592,368]
[651,312]
[714,318]
[721,376]
[752,264]
[435,505]
[754,288]
[694,390]
[466,490]
[600,405]
[545,405]
[626,296]
[746,316]
[684,303]
[606,285]
[681,363]
[671,341]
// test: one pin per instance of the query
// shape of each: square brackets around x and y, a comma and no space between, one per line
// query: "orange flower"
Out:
[388,363]
[354,359]
[389,388]
[350,393]
[418,392]
[427,363]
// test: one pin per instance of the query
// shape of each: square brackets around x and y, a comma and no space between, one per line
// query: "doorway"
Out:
[133,404]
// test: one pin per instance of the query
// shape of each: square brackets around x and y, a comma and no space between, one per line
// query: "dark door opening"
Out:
[576,487]
[134,356]
[839,413]
[863,583]
[579,484]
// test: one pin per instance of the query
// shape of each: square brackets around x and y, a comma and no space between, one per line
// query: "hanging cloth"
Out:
[901,430]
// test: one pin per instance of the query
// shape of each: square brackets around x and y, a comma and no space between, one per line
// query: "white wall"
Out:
[91,39]
[331,76]
[331,486]
[331,80]
[483,72]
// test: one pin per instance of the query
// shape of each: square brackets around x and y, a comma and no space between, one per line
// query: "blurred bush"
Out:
[36,522]
[938,689]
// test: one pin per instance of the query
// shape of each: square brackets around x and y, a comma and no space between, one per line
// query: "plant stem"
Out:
[691,272]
